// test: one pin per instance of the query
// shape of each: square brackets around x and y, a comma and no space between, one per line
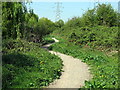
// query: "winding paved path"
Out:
[75,72]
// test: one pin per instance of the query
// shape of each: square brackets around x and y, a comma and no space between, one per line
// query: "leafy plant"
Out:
[29,67]
[104,69]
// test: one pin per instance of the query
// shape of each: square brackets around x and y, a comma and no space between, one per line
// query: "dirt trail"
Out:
[55,39]
[75,72]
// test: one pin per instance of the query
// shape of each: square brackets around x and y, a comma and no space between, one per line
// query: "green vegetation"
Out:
[103,68]
[93,38]
[97,28]
[99,37]
[20,23]
[26,65]
[47,39]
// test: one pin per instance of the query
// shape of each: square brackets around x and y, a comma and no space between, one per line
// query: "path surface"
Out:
[55,39]
[75,72]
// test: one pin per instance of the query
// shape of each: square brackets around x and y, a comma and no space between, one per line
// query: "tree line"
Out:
[18,22]
[102,14]
[97,27]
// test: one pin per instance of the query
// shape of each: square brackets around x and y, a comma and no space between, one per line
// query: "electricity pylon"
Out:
[58,10]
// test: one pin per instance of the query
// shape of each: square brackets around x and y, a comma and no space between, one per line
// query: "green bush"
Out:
[47,39]
[106,37]
[104,69]
[26,65]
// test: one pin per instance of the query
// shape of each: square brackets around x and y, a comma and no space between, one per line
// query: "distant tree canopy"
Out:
[18,22]
[59,23]
[103,15]
[97,27]
[106,15]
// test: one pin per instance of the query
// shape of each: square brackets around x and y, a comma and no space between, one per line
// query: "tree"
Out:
[106,15]
[31,21]
[89,18]
[59,23]
[12,16]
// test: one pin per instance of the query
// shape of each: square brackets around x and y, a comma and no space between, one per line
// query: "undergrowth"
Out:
[26,65]
[104,69]
[47,39]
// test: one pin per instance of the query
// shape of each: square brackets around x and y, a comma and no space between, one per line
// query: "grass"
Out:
[103,68]
[36,68]
[26,65]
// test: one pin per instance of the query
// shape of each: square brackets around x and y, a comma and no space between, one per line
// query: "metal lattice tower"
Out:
[58,10]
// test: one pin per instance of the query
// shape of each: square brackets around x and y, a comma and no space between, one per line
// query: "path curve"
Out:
[75,72]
